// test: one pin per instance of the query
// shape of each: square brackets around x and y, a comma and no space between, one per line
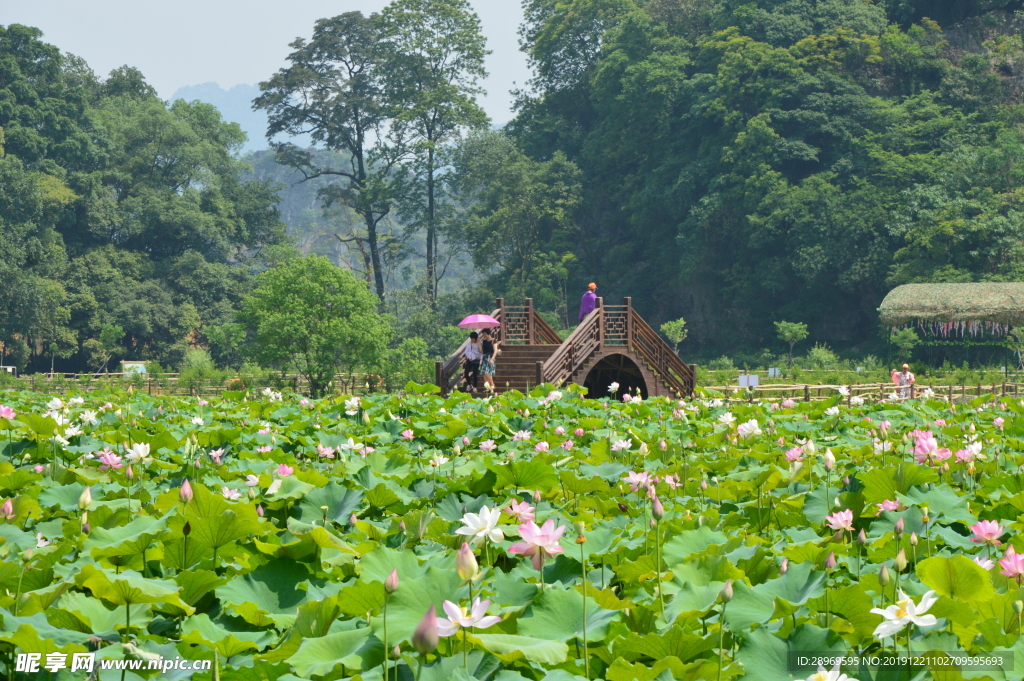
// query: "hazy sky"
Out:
[189,42]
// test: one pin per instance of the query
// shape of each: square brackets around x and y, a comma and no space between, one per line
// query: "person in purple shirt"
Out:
[588,301]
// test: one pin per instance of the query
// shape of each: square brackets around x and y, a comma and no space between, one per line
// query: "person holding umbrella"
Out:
[488,348]
[475,350]
[471,367]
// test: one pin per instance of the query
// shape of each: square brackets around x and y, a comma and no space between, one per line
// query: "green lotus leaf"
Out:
[765,656]
[356,649]
[200,630]
[957,577]
[126,540]
[339,500]
[690,542]
[129,587]
[267,596]
[557,615]
[510,647]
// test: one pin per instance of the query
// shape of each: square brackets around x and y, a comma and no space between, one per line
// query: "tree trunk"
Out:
[431,233]
[371,238]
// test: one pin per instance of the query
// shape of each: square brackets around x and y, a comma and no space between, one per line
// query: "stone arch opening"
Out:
[615,368]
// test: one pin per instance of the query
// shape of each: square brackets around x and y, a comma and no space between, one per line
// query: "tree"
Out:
[310,316]
[436,58]
[905,339]
[332,91]
[676,332]
[792,333]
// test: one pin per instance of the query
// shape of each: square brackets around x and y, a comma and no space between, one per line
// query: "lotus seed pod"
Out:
[623,507]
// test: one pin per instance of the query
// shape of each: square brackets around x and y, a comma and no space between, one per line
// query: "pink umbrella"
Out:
[479,321]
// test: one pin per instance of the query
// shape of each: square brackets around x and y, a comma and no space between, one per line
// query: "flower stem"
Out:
[721,641]
[586,654]
[384,664]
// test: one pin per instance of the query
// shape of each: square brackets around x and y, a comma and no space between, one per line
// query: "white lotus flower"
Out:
[438,461]
[72,431]
[76,401]
[748,429]
[198,420]
[727,418]
[620,445]
[89,417]
[481,526]
[139,452]
[904,612]
[857,401]
[843,390]
[832,411]
[352,446]
[55,403]
[352,406]
[613,388]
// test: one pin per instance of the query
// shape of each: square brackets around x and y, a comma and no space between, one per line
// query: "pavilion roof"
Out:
[1000,303]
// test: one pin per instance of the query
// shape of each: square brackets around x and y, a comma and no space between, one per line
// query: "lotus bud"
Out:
[352,519]
[391,583]
[657,510]
[644,449]
[662,445]
[457,450]
[653,523]
[85,517]
[536,496]
[186,529]
[913,539]
[86,528]
[899,527]
[971,428]
[465,563]
[26,556]
[259,510]
[846,481]
[883,576]
[701,522]
[397,652]
[830,459]
[901,561]
[830,562]
[252,493]
[1018,607]
[862,538]
[784,568]
[837,502]
[526,413]
[185,492]
[129,472]
[424,638]
[85,499]
[401,526]
[809,447]
[366,418]
[623,507]
[727,592]
[704,485]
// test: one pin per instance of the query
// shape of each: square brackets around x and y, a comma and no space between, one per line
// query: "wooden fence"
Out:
[866,391]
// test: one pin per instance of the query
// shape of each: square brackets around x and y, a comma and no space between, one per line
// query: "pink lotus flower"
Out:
[7,413]
[232,494]
[940,423]
[927,447]
[252,480]
[203,403]
[843,520]
[568,445]
[788,404]
[303,402]
[264,449]
[521,511]
[459,617]
[964,456]
[39,468]
[672,481]
[987,532]
[559,430]
[110,460]
[998,422]
[466,441]
[488,446]
[407,434]
[985,563]
[325,452]
[215,455]
[794,454]
[1012,564]
[263,431]
[637,480]
[885,425]
[579,432]
[541,446]
[7,510]
[538,543]
[888,505]
[284,470]
[521,436]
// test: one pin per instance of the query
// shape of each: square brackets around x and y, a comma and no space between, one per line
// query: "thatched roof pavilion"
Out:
[955,308]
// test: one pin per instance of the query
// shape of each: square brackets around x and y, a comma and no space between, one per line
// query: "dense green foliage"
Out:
[695,540]
[747,163]
[116,210]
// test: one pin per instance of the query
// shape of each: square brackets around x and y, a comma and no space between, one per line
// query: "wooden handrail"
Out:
[656,352]
[574,350]
[544,333]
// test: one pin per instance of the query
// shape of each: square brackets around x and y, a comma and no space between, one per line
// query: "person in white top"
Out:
[471,367]
[904,379]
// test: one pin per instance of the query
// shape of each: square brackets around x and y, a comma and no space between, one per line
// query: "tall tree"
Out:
[436,60]
[332,91]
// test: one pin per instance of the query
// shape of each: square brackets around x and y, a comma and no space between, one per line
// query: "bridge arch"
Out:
[616,367]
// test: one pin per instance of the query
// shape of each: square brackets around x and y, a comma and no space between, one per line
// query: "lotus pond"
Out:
[540,536]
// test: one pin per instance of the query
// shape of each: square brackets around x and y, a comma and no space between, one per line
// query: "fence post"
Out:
[912,390]
[539,377]
[529,321]
[438,374]
[628,302]
[807,393]
[599,305]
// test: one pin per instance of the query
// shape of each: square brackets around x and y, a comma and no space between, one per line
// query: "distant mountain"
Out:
[235,105]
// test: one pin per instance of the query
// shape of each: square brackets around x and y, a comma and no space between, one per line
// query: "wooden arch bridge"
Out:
[613,344]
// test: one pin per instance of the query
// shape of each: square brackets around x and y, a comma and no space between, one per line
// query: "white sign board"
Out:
[133,367]
[749,381]
[9,369]
[774,372]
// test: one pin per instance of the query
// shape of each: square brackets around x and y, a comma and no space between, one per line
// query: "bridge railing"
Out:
[647,343]
[575,350]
